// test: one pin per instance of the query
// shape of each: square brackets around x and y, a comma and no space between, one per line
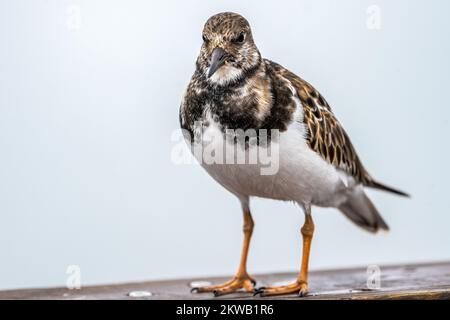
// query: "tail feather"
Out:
[361,211]
[377,185]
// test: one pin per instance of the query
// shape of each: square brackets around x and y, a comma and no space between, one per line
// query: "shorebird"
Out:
[233,87]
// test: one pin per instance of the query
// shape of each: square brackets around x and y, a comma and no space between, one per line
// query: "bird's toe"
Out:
[303,292]
[259,291]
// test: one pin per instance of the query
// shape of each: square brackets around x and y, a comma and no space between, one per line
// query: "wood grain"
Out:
[420,281]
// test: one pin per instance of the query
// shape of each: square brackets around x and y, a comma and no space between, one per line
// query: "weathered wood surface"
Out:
[421,281]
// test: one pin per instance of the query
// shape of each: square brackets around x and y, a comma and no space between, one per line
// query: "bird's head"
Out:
[228,51]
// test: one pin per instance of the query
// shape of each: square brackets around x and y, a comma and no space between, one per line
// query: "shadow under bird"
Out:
[232,88]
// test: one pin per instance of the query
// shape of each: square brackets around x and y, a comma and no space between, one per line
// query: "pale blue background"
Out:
[86,117]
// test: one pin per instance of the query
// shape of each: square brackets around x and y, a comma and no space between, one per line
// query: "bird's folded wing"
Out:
[325,134]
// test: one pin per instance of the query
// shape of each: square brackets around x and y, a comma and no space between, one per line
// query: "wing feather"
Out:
[325,135]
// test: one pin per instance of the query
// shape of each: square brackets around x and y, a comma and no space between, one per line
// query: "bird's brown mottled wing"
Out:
[325,134]
[327,137]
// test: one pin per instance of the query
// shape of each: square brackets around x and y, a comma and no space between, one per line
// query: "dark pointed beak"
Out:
[217,60]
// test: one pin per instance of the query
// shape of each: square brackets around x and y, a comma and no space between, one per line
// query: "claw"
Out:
[258,291]
[302,293]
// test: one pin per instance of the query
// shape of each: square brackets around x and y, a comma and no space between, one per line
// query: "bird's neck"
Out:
[247,104]
[250,97]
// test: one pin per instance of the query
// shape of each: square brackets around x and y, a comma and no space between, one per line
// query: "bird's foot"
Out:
[245,282]
[299,287]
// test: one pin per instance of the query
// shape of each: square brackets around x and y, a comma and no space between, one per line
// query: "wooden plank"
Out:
[420,281]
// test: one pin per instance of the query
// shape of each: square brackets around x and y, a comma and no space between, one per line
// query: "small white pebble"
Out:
[196,284]
[139,294]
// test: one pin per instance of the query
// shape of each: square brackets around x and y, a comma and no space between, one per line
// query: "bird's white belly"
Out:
[294,171]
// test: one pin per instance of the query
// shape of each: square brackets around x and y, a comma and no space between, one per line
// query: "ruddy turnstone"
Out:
[234,91]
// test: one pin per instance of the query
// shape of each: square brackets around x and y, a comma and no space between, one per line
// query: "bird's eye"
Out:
[239,38]
[205,39]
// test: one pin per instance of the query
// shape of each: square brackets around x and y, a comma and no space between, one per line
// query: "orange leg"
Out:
[300,286]
[241,280]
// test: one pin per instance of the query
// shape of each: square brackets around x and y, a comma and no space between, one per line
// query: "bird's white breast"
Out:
[301,174]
